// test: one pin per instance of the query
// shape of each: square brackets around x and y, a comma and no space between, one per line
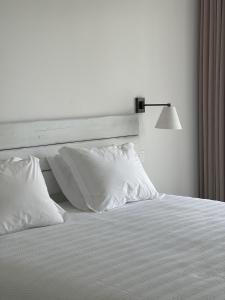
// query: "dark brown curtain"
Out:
[212,100]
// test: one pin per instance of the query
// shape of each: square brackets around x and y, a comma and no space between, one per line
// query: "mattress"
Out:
[171,248]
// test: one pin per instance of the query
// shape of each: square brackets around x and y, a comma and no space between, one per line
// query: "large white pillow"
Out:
[68,185]
[108,177]
[24,198]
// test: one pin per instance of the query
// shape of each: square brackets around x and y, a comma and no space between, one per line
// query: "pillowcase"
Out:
[24,198]
[108,177]
[68,185]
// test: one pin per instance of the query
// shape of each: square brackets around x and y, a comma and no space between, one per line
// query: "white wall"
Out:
[63,58]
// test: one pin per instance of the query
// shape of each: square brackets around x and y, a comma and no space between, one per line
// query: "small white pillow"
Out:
[24,198]
[108,177]
[68,185]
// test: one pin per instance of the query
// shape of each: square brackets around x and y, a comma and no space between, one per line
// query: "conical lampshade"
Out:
[168,119]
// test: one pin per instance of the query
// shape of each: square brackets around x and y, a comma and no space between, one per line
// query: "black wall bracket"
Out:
[139,105]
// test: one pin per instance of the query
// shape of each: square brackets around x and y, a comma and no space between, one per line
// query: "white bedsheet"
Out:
[167,249]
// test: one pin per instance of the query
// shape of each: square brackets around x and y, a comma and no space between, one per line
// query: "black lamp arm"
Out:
[159,104]
[140,105]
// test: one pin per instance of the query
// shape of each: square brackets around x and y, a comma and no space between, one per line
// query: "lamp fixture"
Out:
[168,118]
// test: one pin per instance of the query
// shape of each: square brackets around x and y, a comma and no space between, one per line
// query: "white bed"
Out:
[171,248]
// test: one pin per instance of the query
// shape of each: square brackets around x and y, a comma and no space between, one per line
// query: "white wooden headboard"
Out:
[45,138]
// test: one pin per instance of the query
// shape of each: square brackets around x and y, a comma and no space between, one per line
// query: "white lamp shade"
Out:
[168,119]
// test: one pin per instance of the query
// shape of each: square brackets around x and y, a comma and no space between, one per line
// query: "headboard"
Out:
[45,138]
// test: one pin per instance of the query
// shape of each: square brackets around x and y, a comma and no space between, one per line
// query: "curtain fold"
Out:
[212,100]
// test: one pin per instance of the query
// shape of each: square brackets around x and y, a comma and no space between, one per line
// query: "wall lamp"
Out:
[168,118]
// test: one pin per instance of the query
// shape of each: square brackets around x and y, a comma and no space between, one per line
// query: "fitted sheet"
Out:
[171,248]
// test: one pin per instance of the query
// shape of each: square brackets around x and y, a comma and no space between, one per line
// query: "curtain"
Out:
[212,100]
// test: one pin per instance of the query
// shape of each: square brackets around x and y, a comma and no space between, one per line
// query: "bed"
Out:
[170,248]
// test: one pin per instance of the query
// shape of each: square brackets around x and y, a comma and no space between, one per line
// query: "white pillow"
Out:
[68,185]
[108,177]
[24,198]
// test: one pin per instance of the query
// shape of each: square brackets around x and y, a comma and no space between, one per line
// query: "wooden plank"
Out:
[46,151]
[43,152]
[41,133]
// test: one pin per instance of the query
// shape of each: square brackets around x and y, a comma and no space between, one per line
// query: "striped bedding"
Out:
[172,248]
